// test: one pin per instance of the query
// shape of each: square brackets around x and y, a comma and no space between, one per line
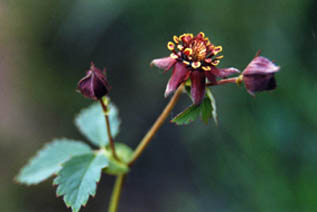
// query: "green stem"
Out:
[114,201]
[156,126]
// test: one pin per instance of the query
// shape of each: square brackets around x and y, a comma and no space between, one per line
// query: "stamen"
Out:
[180,47]
[174,56]
[170,46]
[186,62]
[208,60]
[181,37]
[187,37]
[196,64]
[215,62]
[219,57]
[175,38]
[207,42]
[190,35]
[206,68]
[217,49]
[188,51]
[211,47]
[201,34]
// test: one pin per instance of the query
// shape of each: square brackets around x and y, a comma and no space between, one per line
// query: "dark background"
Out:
[261,157]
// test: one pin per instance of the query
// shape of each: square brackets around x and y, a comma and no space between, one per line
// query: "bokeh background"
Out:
[261,157]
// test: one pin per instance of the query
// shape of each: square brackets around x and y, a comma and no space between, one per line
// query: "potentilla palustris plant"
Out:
[77,167]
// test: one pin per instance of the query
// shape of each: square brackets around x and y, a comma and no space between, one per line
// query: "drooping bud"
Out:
[259,75]
[94,85]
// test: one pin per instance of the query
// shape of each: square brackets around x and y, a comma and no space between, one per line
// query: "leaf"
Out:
[206,110]
[78,178]
[124,153]
[187,116]
[49,159]
[91,123]
[213,105]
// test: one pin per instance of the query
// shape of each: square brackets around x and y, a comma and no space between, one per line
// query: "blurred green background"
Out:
[261,157]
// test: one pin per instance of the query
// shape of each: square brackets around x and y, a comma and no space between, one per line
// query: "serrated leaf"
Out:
[78,179]
[187,116]
[91,123]
[213,105]
[206,110]
[49,159]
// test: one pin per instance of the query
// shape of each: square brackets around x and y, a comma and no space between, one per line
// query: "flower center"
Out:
[199,50]
[198,53]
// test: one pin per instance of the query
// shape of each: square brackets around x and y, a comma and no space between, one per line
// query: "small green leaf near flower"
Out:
[48,160]
[187,116]
[207,110]
[213,105]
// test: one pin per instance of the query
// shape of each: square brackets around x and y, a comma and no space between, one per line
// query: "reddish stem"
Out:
[224,81]
[111,141]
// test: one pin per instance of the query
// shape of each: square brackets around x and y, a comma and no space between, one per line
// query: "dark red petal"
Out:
[179,75]
[84,86]
[198,86]
[260,65]
[101,86]
[164,63]
[259,82]
[211,77]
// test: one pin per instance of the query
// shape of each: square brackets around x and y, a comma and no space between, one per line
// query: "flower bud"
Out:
[259,75]
[94,85]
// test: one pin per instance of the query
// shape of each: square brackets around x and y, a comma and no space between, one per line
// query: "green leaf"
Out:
[206,110]
[124,153]
[49,159]
[78,179]
[213,105]
[91,123]
[187,116]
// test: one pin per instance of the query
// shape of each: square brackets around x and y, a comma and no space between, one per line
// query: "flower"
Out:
[259,75]
[94,85]
[193,58]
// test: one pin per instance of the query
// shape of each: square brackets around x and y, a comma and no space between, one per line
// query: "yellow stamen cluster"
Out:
[195,52]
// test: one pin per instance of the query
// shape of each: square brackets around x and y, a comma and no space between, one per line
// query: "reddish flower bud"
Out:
[259,75]
[94,85]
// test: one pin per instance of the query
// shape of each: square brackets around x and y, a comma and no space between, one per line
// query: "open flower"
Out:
[94,85]
[259,75]
[193,58]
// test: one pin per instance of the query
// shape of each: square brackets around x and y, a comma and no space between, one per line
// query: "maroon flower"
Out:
[94,85]
[193,58]
[259,75]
